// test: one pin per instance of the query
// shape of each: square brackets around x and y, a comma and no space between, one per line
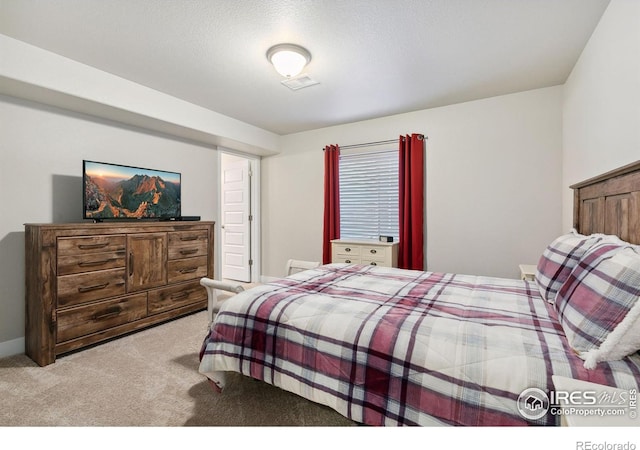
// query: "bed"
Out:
[385,346]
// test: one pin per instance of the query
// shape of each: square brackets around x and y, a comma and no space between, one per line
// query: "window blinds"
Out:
[369,195]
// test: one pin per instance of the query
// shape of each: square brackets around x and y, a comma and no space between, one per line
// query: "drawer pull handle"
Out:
[92,246]
[95,287]
[112,311]
[191,270]
[94,263]
[347,249]
[373,250]
[190,251]
[130,264]
[374,264]
[348,261]
[188,238]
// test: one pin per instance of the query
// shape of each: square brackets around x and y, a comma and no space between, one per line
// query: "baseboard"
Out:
[13,347]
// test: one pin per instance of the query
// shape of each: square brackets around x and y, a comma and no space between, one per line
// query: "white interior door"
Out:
[236,225]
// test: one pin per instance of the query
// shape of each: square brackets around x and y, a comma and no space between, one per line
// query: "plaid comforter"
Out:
[386,346]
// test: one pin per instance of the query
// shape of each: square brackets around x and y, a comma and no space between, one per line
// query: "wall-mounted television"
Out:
[114,191]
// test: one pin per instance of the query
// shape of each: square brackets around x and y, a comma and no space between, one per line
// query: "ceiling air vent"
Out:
[299,82]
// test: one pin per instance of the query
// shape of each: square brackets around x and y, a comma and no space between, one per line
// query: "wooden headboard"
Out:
[609,203]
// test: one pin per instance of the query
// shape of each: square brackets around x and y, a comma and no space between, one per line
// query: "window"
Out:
[369,195]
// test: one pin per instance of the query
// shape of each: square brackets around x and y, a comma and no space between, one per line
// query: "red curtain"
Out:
[411,185]
[331,200]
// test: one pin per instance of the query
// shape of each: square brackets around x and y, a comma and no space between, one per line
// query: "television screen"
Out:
[113,191]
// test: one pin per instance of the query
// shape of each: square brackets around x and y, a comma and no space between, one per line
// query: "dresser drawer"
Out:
[91,286]
[84,245]
[185,244]
[347,250]
[374,262]
[376,256]
[374,252]
[81,321]
[71,264]
[175,296]
[187,269]
[347,259]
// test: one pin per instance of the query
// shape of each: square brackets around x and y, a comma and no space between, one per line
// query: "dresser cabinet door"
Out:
[146,264]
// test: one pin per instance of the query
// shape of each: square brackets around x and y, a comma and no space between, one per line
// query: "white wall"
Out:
[36,74]
[493,183]
[601,105]
[41,153]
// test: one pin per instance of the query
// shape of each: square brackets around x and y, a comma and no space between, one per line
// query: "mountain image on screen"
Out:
[139,197]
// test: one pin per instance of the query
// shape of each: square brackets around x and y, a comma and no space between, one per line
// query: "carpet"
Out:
[146,379]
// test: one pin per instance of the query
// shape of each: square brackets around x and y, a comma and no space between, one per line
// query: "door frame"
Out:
[254,227]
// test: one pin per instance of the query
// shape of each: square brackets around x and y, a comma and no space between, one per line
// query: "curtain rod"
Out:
[369,144]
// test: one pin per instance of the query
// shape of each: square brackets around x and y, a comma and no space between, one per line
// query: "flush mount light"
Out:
[288,59]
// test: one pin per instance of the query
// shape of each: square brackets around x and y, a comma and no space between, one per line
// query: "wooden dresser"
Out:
[88,282]
[374,253]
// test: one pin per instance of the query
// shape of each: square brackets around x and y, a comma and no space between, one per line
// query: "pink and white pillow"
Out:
[559,259]
[599,303]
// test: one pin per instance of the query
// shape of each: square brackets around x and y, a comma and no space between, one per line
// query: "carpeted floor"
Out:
[146,379]
[144,391]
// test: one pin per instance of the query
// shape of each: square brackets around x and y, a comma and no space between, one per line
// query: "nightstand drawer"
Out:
[379,253]
[374,261]
[347,250]
[346,259]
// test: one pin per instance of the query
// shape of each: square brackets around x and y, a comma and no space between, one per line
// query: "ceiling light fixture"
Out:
[288,59]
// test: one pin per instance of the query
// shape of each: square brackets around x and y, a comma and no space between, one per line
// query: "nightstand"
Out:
[528,272]
[614,399]
[374,253]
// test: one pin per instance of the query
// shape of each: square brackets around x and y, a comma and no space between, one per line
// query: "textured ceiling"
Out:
[372,58]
